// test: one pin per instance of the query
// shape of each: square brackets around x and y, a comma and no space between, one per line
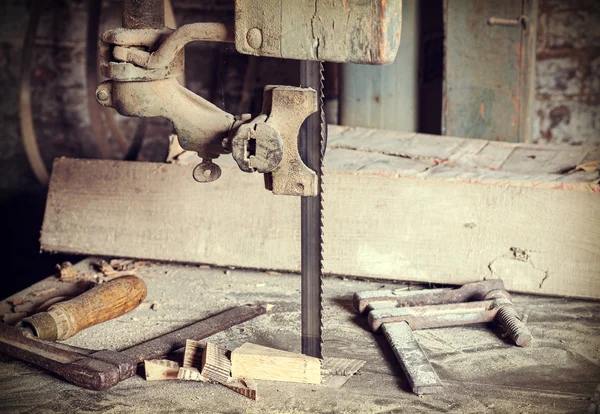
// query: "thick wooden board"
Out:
[400,217]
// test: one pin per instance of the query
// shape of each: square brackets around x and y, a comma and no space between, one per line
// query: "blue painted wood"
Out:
[385,97]
[487,77]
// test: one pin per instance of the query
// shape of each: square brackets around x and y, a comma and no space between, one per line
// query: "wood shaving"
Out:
[43,292]
[67,271]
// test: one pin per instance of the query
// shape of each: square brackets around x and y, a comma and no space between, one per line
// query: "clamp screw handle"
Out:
[513,325]
[206,171]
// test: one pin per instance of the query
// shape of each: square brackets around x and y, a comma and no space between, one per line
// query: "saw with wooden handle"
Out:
[100,304]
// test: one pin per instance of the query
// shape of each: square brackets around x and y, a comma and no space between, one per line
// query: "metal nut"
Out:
[102,95]
[254,38]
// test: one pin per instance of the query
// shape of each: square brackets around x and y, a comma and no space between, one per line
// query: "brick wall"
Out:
[568,73]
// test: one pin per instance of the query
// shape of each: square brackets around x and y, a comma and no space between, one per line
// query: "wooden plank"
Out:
[261,362]
[400,217]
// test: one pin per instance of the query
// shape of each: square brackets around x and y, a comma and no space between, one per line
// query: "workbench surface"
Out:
[481,372]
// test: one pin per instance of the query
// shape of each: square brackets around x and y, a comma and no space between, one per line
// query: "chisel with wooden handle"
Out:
[97,305]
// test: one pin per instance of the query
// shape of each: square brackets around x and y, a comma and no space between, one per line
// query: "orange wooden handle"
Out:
[100,304]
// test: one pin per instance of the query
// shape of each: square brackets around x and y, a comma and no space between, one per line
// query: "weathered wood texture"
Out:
[407,207]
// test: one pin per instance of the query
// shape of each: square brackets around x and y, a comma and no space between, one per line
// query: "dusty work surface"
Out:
[479,370]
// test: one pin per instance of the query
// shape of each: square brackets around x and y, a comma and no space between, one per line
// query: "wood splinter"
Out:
[190,374]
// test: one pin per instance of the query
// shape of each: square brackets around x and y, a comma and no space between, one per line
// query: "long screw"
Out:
[513,325]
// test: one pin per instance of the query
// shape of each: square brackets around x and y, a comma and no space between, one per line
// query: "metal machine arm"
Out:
[142,65]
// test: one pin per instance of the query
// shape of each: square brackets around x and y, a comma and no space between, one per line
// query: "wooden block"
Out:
[484,216]
[161,369]
[190,374]
[261,362]
[216,365]
[192,355]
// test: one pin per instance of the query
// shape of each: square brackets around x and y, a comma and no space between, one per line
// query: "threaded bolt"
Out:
[513,326]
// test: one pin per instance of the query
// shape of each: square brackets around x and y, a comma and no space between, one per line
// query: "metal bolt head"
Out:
[254,38]
[102,95]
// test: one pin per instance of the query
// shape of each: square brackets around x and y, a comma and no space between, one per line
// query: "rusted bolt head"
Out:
[102,95]
[254,38]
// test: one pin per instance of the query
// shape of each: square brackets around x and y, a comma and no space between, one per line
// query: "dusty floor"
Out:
[481,373]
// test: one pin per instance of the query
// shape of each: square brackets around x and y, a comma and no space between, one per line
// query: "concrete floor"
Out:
[481,372]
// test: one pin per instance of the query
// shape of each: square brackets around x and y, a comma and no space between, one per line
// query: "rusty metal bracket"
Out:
[288,107]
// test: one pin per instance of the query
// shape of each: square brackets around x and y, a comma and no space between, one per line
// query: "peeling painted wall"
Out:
[567,104]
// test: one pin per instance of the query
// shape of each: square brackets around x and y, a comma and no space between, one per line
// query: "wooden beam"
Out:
[407,207]
[261,362]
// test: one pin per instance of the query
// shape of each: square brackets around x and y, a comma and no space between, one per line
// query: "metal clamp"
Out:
[398,313]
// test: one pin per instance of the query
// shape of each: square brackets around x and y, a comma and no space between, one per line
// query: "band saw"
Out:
[286,142]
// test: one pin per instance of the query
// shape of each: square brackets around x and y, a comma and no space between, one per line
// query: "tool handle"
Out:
[100,304]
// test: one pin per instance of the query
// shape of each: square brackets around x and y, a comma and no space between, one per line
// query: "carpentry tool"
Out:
[99,370]
[102,303]
[398,313]
[143,58]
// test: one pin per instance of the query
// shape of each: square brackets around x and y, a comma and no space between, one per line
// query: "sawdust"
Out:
[478,369]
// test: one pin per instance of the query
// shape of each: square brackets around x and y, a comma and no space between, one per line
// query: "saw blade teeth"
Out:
[323,145]
[312,144]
